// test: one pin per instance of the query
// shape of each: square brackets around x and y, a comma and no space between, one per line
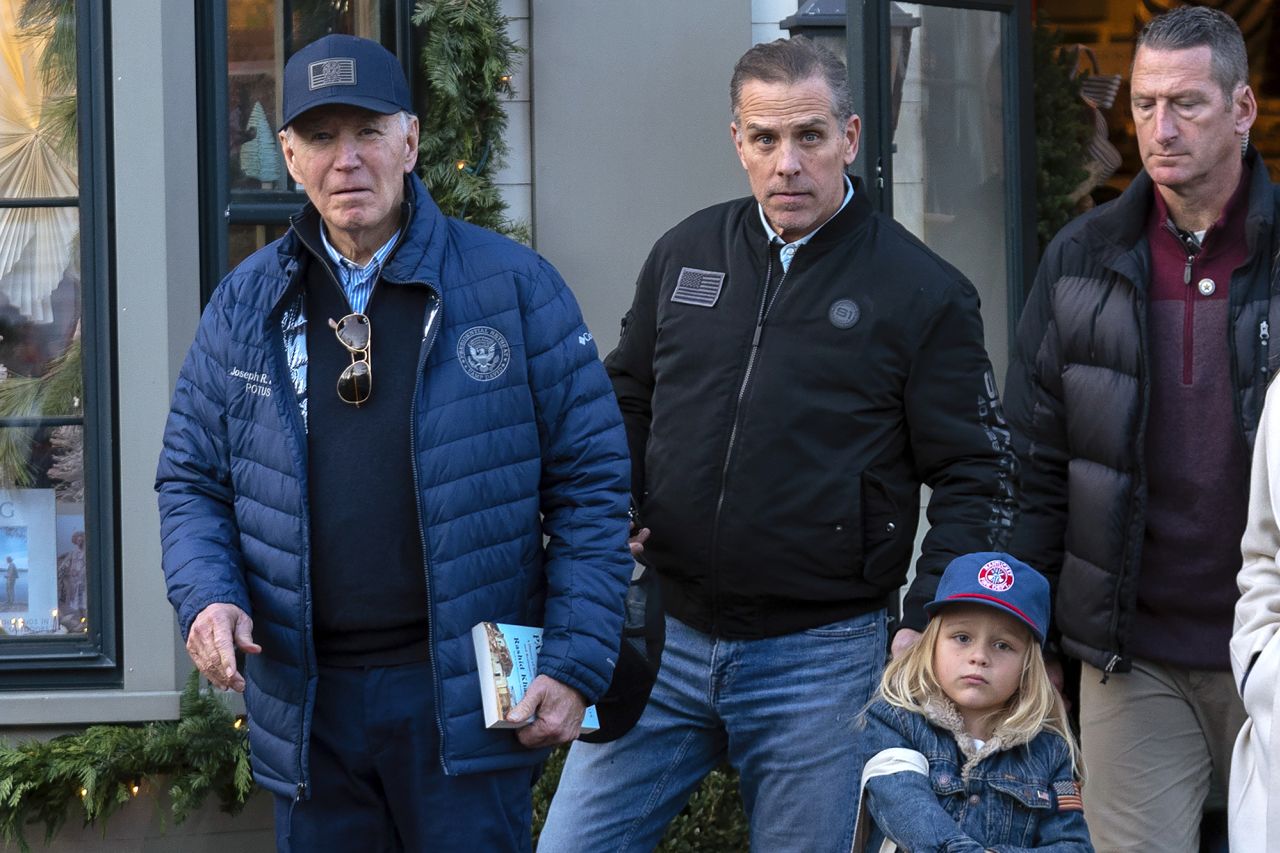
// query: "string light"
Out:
[461,164]
[504,79]
[134,789]
[239,723]
[84,792]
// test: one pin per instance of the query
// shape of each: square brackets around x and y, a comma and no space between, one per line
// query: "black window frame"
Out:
[93,659]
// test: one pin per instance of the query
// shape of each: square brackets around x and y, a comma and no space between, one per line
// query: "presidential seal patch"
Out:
[843,313]
[483,353]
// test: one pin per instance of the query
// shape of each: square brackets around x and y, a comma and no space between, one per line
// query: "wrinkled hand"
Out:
[637,540]
[903,641]
[215,635]
[557,709]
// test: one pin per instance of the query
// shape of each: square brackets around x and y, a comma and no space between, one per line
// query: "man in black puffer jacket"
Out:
[793,367]
[1134,396]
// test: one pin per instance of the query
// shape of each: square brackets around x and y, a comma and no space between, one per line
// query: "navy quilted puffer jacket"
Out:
[523,486]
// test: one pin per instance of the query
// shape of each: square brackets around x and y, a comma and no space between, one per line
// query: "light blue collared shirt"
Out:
[788,250]
[357,282]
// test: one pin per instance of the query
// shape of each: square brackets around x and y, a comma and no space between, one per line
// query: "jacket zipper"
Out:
[281,368]
[431,326]
[766,305]
[1109,668]
[1135,552]
[1264,340]
[1188,305]
[306,574]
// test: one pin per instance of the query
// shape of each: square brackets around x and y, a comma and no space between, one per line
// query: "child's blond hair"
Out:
[909,682]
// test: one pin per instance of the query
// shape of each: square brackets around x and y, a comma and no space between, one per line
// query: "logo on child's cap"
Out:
[993,579]
[996,575]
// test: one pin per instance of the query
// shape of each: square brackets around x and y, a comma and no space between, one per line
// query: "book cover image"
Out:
[28,564]
[507,657]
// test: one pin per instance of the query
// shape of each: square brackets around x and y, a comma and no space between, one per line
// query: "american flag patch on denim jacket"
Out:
[1067,793]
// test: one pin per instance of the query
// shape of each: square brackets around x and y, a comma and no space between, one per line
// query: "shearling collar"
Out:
[943,713]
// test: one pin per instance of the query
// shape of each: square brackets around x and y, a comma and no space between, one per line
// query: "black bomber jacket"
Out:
[778,453]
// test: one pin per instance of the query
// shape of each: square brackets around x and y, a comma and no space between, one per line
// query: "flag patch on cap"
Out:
[331,72]
[1067,793]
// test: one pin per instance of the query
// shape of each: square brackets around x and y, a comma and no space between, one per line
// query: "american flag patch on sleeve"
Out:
[1067,795]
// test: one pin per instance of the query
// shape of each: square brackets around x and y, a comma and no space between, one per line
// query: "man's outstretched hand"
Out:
[215,635]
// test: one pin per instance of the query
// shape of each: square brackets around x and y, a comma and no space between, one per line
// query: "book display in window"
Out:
[28,562]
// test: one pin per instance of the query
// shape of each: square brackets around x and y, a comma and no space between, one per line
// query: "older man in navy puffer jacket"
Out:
[346,533]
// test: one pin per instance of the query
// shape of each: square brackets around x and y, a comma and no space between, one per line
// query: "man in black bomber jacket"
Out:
[793,367]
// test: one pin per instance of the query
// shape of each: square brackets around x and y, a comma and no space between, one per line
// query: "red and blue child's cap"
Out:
[995,579]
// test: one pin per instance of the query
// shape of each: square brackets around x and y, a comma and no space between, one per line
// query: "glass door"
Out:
[948,148]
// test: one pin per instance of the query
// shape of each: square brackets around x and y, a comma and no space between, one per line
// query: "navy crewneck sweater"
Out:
[368,571]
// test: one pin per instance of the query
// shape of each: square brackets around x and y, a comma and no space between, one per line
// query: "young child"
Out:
[970,744]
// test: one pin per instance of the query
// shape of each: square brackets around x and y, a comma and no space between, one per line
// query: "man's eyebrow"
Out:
[816,121]
[1193,91]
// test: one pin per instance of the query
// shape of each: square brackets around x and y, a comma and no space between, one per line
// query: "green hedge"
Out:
[712,822]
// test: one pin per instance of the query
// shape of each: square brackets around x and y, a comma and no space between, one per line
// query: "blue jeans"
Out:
[376,781]
[781,710]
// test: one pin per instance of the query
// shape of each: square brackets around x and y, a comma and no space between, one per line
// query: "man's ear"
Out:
[1246,110]
[852,135]
[411,145]
[290,154]
[736,135]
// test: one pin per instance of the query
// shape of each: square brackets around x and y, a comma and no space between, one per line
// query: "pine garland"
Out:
[466,65]
[96,772]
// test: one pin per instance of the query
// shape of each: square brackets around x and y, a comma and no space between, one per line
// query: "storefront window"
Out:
[950,180]
[46,589]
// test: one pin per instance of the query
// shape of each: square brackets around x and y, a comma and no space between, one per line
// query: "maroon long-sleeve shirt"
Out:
[1197,461]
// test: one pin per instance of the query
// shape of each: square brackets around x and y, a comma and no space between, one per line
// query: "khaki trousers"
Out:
[1157,748]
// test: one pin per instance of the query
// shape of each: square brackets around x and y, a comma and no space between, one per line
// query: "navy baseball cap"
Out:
[342,69]
[997,580]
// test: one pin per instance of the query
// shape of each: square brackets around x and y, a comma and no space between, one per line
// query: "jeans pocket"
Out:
[853,628]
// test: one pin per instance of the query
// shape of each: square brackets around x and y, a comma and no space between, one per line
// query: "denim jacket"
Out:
[1009,795]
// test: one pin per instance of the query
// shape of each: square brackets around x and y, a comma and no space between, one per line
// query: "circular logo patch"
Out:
[483,353]
[996,576]
[843,313]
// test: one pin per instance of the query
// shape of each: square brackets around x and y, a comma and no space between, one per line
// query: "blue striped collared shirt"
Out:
[357,282]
